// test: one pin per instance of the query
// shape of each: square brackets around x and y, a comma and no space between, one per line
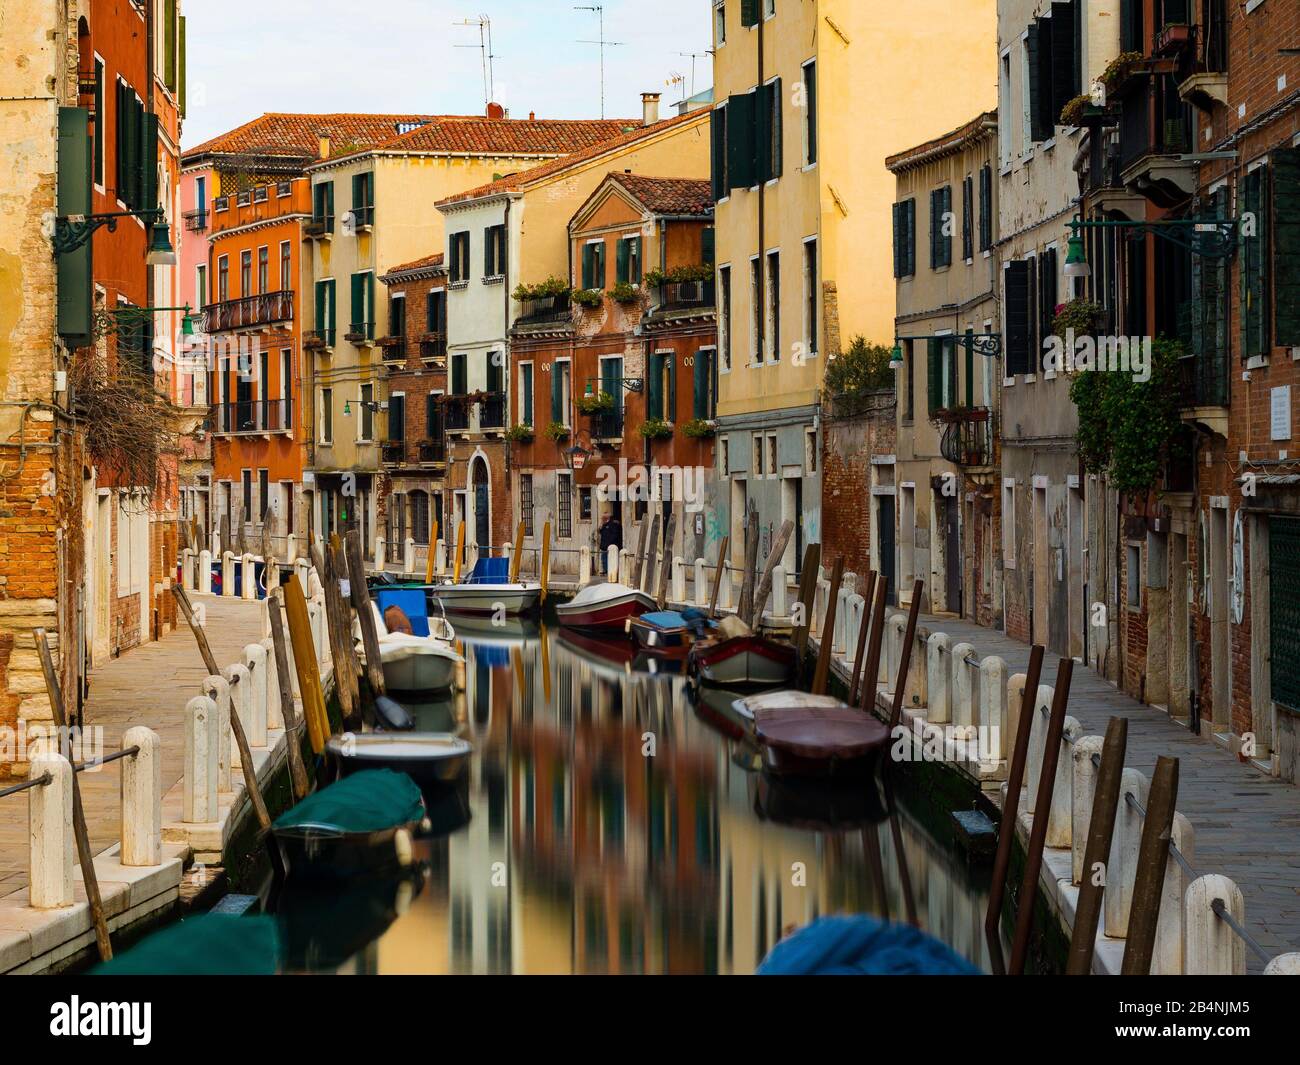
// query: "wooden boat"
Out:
[819,740]
[208,944]
[604,608]
[743,662]
[661,632]
[488,591]
[428,758]
[360,825]
[424,661]
[747,706]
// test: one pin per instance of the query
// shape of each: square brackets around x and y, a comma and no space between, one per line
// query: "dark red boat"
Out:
[819,741]
[743,663]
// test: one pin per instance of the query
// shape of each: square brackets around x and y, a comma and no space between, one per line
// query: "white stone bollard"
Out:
[142,798]
[584,564]
[992,707]
[201,761]
[938,675]
[315,590]
[612,564]
[187,569]
[1083,787]
[1015,700]
[49,813]
[471,559]
[228,574]
[274,711]
[316,616]
[1214,949]
[1059,823]
[963,691]
[724,590]
[679,580]
[780,593]
[440,557]
[218,690]
[701,586]
[381,554]
[255,661]
[1168,957]
[855,617]
[1284,965]
[408,555]
[205,573]
[291,549]
[821,605]
[895,630]
[248,577]
[302,570]
[1037,743]
[1121,866]
[241,691]
[271,575]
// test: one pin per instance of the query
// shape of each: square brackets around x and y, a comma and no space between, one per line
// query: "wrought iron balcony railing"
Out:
[360,333]
[433,346]
[433,452]
[684,294]
[270,308]
[492,412]
[967,439]
[394,452]
[196,221]
[607,425]
[252,416]
[318,227]
[456,416]
[318,339]
[1203,379]
[394,349]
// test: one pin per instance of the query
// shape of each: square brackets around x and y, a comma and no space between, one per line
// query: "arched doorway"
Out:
[481,501]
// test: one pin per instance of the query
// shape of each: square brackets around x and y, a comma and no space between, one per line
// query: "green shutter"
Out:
[622,259]
[358,299]
[749,12]
[934,375]
[655,397]
[1254,276]
[718,145]
[75,268]
[898,240]
[909,244]
[588,272]
[600,266]
[708,245]
[775,133]
[742,163]
[332,308]
[1286,246]
[700,396]
[557,397]
[969,344]
[396,417]
[1065,86]
[180,59]
[526,386]
[671,414]
[149,162]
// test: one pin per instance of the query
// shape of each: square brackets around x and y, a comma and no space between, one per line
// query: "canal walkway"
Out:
[149,685]
[1247,825]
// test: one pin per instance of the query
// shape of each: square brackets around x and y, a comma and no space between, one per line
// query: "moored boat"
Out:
[743,662]
[819,741]
[428,758]
[747,706]
[488,591]
[422,660]
[604,608]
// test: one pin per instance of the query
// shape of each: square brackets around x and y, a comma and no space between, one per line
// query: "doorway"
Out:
[885,527]
[950,508]
[482,517]
[1220,658]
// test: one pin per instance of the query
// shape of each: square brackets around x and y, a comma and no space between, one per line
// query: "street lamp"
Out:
[1076,262]
[72,231]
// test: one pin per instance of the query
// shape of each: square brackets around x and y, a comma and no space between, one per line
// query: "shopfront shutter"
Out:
[75,268]
[1286,247]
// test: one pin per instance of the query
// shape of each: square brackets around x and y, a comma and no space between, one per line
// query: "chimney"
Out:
[495,112]
[650,108]
[324,149]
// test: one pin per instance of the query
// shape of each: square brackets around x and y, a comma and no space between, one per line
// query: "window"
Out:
[363,305]
[1019,357]
[968,218]
[325,311]
[419,501]
[200,287]
[628,261]
[748,13]
[526,502]
[263,268]
[986,207]
[756,467]
[1009,522]
[286,267]
[435,310]
[724,318]
[1048,292]
[719,25]
[322,205]
[771,455]
[811,296]
[905,238]
[769,8]
[1255,280]
[910,407]
[327,415]
[724,457]
[397,315]
[755,312]
[561,391]
[99,133]
[774,305]
[810,113]
[366,419]
[286,380]
[810,450]
[593,264]
[397,417]
[584,504]
[940,228]
[246,480]
[286,506]
[564,505]
[941,367]
[1004,111]
[246,273]
[1133,577]
[661,401]
[1027,60]
[459,248]
[494,251]
[770,131]
[137,151]
[526,393]
[1054,57]
[363,199]
[459,374]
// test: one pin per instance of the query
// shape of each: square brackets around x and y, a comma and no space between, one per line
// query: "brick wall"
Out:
[848,444]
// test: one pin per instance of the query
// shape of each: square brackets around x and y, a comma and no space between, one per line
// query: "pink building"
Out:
[192,380]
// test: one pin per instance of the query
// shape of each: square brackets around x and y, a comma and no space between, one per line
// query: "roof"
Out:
[676,196]
[507,136]
[977,129]
[429,264]
[278,133]
[513,182]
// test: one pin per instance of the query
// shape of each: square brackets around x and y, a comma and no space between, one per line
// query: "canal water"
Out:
[609,824]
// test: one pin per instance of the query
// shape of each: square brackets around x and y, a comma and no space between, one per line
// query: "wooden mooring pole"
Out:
[905,655]
[864,626]
[1153,858]
[821,676]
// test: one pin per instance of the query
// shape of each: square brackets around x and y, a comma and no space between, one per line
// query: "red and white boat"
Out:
[743,662]
[604,608]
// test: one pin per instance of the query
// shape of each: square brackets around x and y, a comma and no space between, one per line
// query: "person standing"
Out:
[611,535]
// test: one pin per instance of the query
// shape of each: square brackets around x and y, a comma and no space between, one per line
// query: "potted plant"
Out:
[520,434]
[587,298]
[656,429]
[557,431]
[595,403]
[699,429]
[1119,69]
[625,293]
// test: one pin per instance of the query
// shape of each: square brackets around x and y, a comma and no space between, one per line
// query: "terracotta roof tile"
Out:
[429,262]
[538,173]
[978,127]
[510,136]
[279,133]
[681,196]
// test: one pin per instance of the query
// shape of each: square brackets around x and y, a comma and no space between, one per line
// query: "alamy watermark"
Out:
[1103,354]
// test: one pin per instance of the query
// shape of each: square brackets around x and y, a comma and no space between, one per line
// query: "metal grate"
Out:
[1284,607]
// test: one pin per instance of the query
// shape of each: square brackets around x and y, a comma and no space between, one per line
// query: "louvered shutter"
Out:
[700,396]
[1065,87]
[622,260]
[934,375]
[397,418]
[671,413]
[655,398]
[718,141]
[708,246]
[969,344]
[968,218]
[909,244]
[749,12]
[1286,246]
[898,239]
[741,141]
[75,268]
[1254,281]
[1017,317]
[557,395]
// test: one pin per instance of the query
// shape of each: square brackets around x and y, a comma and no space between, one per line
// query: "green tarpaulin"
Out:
[370,801]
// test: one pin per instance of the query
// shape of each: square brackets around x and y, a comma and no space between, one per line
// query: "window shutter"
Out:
[671,413]
[741,141]
[526,387]
[1286,246]
[934,376]
[75,268]
[557,395]
[586,265]
[945,238]
[1065,84]
[986,208]
[148,162]
[718,140]
[749,12]
[622,257]
[701,385]
[1254,281]
[600,265]
[708,246]
[909,241]
[898,239]
[1017,317]
[320,306]
[770,131]
[969,344]
[1034,45]
[358,298]
[396,417]
[638,264]
[968,218]
[655,398]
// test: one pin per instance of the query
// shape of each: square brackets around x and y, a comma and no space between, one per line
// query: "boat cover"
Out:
[410,601]
[490,571]
[210,944]
[370,801]
[665,619]
[863,946]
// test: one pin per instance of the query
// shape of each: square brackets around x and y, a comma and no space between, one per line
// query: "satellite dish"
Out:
[349,221]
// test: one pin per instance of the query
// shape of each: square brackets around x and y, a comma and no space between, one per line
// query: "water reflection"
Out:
[615,826]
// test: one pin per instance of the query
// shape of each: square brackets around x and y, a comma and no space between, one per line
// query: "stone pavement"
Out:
[1246,824]
[149,685]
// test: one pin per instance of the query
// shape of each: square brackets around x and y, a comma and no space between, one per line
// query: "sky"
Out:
[247,57]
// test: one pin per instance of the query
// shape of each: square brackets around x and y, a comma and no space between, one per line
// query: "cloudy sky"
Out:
[247,57]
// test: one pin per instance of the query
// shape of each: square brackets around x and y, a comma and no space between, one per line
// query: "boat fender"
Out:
[403,846]
[392,716]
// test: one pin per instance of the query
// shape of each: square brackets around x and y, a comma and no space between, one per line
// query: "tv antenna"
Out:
[484,46]
[676,77]
[693,56]
[600,14]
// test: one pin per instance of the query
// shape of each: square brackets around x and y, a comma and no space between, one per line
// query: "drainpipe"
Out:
[506,360]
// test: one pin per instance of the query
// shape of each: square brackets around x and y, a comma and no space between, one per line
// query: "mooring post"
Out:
[142,798]
[49,812]
[201,761]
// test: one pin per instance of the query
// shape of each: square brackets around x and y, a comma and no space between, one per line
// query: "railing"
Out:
[433,452]
[394,349]
[545,310]
[456,416]
[252,416]
[360,332]
[363,216]
[318,339]
[492,412]
[269,308]
[1203,379]
[319,227]
[607,425]
[678,294]
[394,452]
[433,346]
[968,437]
[196,221]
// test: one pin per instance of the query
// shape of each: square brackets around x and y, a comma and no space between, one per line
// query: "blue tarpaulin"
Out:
[863,946]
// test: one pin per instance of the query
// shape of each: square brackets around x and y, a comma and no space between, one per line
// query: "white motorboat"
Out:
[604,608]
[489,591]
[750,705]
[417,663]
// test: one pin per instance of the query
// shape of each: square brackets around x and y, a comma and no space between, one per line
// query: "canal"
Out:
[609,824]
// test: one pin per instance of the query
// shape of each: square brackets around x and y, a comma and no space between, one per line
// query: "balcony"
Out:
[363,219]
[250,417]
[492,411]
[547,312]
[1155,134]
[1206,85]
[433,347]
[608,425]
[251,312]
[678,295]
[393,452]
[196,221]
[456,414]
[319,228]
[1204,389]
[433,452]
[362,334]
[318,340]
[394,349]
[967,439]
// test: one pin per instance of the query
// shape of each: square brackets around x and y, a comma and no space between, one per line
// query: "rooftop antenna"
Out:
[693,56]
[600,14]
[675,77]
[484,46]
